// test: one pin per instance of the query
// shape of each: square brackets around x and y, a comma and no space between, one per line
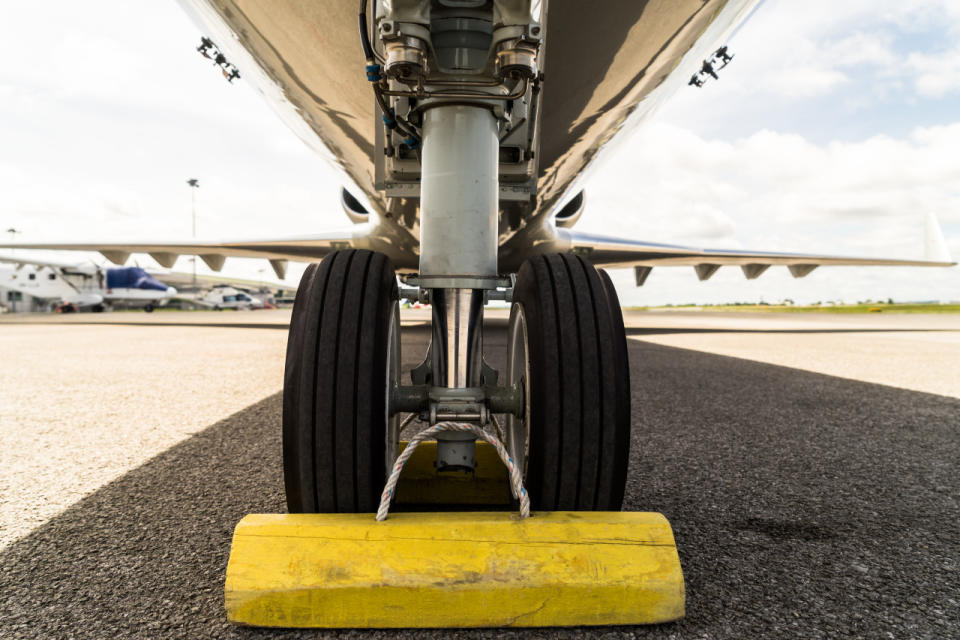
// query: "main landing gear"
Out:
[566,401]
[567,362]
[565,397]
[556,422]
[575,561]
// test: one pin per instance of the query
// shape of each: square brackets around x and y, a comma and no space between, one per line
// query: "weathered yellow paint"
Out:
[454,570]
[421,484]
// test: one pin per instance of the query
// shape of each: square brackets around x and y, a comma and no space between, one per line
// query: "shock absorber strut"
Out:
[454,78]
[458,251]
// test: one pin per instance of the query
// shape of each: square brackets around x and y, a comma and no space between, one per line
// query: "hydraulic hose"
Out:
[390,119]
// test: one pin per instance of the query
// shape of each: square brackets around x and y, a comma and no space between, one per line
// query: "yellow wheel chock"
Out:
[454,569]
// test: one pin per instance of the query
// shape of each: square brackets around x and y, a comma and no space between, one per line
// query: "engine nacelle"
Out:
[571,212]
[357,213]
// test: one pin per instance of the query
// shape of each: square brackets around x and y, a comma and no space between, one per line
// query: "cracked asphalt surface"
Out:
[804,505]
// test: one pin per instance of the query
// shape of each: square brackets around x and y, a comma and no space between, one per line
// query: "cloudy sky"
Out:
[835,129]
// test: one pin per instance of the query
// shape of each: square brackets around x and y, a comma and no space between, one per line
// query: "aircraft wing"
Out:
[182,279]
[22,260]
[643,256]
[214,254]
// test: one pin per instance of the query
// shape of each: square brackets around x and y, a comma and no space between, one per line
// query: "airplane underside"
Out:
[597,73]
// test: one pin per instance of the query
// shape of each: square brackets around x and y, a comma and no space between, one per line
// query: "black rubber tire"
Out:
[579,385]
[148,308]
[334,391]
[622,355]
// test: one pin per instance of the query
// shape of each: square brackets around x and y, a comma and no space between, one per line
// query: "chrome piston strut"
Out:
[458,259]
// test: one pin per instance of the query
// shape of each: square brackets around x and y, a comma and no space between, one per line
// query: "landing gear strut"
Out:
[566,395]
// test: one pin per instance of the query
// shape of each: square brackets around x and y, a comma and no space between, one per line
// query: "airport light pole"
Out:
[194,184]
[13,234]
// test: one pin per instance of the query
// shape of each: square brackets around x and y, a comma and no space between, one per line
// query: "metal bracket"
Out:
[459,282]
[469,404]
[415,293]
[488,375]
[504,292]
[422,374]
[418,287]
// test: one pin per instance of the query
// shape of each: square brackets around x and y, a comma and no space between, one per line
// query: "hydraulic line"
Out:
[390,119]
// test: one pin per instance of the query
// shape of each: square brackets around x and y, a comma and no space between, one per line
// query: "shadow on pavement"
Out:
[803,506]
[133,323]
[502,323]
[648,331]
[491,324]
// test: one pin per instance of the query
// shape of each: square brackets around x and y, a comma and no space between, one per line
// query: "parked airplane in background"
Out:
[226,297]
[87,285]
[81,285]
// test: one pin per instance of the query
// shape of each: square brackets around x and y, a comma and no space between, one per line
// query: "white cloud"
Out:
[775,191]
[110,109]
[858,53]
[936,75]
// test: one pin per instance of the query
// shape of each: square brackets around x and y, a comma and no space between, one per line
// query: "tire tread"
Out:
[580,417]
[334,414]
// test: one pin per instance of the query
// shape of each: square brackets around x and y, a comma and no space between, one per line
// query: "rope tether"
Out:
[512,468]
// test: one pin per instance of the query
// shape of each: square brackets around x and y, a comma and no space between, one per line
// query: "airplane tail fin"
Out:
[934,246]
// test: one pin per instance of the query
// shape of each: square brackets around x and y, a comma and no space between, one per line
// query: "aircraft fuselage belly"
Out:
[607,66]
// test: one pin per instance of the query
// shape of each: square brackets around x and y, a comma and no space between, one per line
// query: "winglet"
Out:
[934,247]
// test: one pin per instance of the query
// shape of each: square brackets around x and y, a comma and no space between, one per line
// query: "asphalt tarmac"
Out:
[803,504]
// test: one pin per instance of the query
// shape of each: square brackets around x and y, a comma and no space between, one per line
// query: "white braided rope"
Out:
[503,438]
[515,480]
[499,430]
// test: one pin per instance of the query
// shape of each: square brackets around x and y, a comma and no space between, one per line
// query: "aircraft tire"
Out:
[334,394]
[148,308]
[579,386]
